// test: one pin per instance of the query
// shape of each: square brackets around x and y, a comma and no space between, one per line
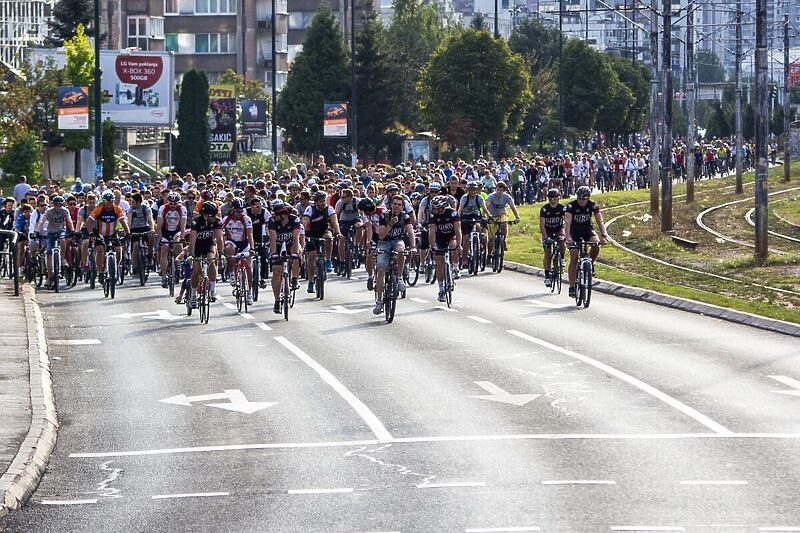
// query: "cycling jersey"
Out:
[318,220]
[141,218]
[259,224]
[348,211]
[581,226]
[56,220]
[204,234]
[396,232]
[444,225]
[106,219]
[171,217]
[284,232]
[497,202]
[471,207]
[553,219]
[236,228]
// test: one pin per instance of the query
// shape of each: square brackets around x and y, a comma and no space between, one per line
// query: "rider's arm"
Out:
[567,225]
[334,222]
[306,223]
[184,218]
[514,210]
[295,240]
[70,225]
[542,228]
[192,239]
[273,242]
[410,234]
[432,234]
[383,230]
[598,216]
[457,226]
[218,237]
[40,223]
[250,240]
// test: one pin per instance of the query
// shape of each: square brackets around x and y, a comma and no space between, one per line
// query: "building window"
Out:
[180,43]
[137,33]
[300,20]
[172,7]
[215,7]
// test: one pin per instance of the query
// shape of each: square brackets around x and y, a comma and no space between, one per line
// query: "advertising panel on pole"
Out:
[254,117]
[794,74]
[72,108]
[222,124]
[334,123]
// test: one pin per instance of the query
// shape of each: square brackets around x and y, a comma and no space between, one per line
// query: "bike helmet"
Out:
[319,195]
[58,200]
[554,193]
[294,185]
[415,196]
[420,188]
[583,192]
[67,198]
[472,186]
[392,187]
[87,187]
[206,195]
[108,195]
[238,192]
[435,187]
[126,189]
[440,202]
[366,205]
[279,207]
[208,208]
[237,203]
[260,184]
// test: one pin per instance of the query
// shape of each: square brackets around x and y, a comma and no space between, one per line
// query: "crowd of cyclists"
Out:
[309,218]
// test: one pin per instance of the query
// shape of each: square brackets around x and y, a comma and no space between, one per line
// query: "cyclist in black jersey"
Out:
[205,239]
[260,217]
[284,233]
[551,225]
[444,230]
[320,222]
[578,226]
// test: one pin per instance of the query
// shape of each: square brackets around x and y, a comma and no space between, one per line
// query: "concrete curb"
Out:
[30,463]
[682,304]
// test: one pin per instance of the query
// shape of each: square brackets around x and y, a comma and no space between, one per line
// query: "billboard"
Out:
[334,122]
[138,87]
[794,75]
[222,124]
[72,108]
[254,117]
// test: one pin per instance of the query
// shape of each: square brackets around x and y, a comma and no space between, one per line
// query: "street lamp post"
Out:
[560,75]
[273,121]
[98,76]
[353,110]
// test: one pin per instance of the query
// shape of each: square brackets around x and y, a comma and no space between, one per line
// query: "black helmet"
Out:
[366,205]
[553,193]
[279,206]
[583,192]
[208,208]
[58,200]
[237,203]
[319,195]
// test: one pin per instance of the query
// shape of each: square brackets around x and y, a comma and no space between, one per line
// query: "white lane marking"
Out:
[189,495]
[789,382]
[715,482]
[229,306]
[363,411]
[418,300]
[500,529]
[578,482]
[263,326]
[546,305]
[74,342]
[455,484]
[320,491]
[67,502]
[649,389]
[496,394]
[647,528]
[247,316]
[479,319]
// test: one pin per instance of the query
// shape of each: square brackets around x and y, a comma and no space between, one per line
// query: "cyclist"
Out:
[320,222]
[102,223]
[371,219]
[444,231]
[205,238]
[57,219]
[551,225]
[82,228]
[238,229]
[170,225]
[497,204]
[578,227]
[284,231]
[260,218]
[470,208]
[22,226]
[394,228]
[140,221]
[348,217]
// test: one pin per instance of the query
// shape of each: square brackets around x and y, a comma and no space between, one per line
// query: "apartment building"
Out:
[23,23]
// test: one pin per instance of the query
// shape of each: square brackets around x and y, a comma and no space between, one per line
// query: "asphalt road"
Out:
[513,412]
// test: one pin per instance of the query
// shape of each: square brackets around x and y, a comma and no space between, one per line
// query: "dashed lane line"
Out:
[479,319]
[74,342]
[578,482]
[263,326]
[68,502]
[418,300]
[500,529]
[647,528]
[649,389]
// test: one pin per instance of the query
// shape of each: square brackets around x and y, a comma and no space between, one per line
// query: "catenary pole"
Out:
[98,77]
[654,133]
[738,80]
[666,142]
[273,121]
[691,78]
[787,110]
[762,133]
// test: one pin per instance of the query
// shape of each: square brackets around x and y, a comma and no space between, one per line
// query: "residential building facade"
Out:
[23,23]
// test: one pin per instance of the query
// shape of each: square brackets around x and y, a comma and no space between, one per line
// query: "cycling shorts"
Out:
[169,235]
[467,224]
[50,241]
[239,246]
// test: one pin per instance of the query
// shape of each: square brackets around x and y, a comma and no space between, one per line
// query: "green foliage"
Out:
[109,161]
[632,95]
[709,67]
[475,79]
[23,157]
[249,89]
[79,70]
[589,84]
[373,85]
[68,15]
[415,31]
[531,38]
[478,22]
[191,150]
[255,162]
[319,74]
[718,125]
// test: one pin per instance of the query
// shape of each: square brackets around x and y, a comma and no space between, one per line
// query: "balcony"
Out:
[155,28]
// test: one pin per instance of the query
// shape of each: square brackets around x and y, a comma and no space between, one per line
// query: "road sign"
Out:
[237,401]
[496,394]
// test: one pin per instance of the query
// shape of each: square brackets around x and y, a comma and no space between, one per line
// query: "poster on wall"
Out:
[334,123]
[222,124]
[254,117]
[794,75]
[72,108]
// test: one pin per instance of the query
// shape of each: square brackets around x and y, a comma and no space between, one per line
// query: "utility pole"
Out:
[666,143]
[738,78]
[691,77]
[496,27]
[654,133]
[587,22]
[762,132]
[560,73]
[98,97]
[787,109]
[353,110]
[273,121]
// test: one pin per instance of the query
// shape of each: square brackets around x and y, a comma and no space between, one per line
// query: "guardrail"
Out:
[140,166]
[8,258]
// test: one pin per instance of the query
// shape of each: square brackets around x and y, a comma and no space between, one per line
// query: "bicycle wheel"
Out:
[245,290]
[448,285]
[587,273]
[413,270]
[580,290]
[92,272]
[121,270]
[389,296]
[256,276]
[205,302]
[240,294]
[188,304]
[112,277]
[482,258]
[429,277]
[348,259]
[41,269]
[285,295]
[474,256]
[143,267]
[56,269]
[320,279]
[500,253]
[171,274]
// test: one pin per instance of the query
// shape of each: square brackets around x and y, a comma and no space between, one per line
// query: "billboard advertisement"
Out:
[72,105]
[334,122]
[254,117]
[794,75]
[222,124]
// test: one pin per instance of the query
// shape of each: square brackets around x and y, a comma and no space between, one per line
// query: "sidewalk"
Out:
[28,422]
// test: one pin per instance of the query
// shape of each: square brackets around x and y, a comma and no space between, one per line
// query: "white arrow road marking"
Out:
[161,314]
[342,310]
[496,394]
[67,502]
[789,382]
[238,402]
[74,342]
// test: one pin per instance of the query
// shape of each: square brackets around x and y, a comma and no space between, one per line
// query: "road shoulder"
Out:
[22,476]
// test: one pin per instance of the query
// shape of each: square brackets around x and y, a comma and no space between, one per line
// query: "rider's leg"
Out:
[573,266]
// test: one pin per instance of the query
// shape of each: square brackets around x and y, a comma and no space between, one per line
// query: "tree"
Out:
[79,71]
[318,75]
[478,22]
[109,161]
[709,67]
[373,85]
[588,85]
[248,89]
[718,125]
[626,110]
[776,121]
[531,38]
[23,157]
[415,31]
[461,82]
[68,15]
[191,150]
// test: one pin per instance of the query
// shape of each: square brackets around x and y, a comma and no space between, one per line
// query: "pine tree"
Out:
[108,152]
[67,16]
[318,75]
[191,150]
[373,85]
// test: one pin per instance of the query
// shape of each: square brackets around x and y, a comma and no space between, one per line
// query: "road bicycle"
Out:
[240,288]
[258,255]
[583,282]
[56,261]
[350,252]
[173,271]
[498,257]
[9,259]
[320,275]
[125,265]
[449,283]
[390,289]
[287,293]
[91,264]
[143,256]
[204,291]
[40,265]
[556,266]
[477,250]
[73,258]
[110,277]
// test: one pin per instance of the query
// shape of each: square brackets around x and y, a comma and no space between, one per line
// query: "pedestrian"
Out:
[21,189]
